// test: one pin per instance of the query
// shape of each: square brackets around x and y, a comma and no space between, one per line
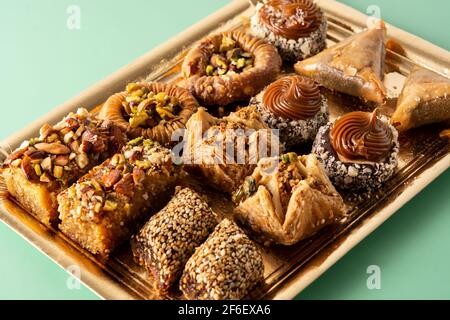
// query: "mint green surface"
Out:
[43,63]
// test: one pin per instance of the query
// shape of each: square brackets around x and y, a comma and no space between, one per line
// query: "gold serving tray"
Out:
[288,270]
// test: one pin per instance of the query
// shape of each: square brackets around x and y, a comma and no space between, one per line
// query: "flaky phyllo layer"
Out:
[288,199]
[226,150]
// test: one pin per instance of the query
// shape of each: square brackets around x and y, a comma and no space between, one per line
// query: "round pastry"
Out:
[358,150]
[298,28]
[295,106]
[150,110]
[229,67]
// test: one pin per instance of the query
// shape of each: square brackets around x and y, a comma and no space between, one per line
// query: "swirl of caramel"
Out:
[292,19]
[361,136]
[293,97]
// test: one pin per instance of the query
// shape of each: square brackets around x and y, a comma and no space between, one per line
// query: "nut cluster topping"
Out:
[119,177]
[292,19]
[226,267]
[230,59]
[68,149]
[361,136]
[288,172]
[146,109]
[170,237]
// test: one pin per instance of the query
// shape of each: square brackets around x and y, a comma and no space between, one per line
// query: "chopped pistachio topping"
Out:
[147,109]
[290,157]
[136,141]
[230,60]
[245,190]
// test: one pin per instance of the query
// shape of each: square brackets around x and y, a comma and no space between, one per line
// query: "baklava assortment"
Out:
[120,174]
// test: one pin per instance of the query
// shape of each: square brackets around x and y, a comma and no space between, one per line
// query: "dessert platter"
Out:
[240,160]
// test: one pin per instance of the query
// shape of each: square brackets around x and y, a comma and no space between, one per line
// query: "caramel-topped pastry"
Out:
[361,136]
[289,202]
[228,67]
[425,99]
[293,97]
[291,19]
[359,150]
[151,110]
[354,66]
[296,27]
[44,166]
[295,106]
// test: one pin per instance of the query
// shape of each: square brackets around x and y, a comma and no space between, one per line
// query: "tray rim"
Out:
[100,283]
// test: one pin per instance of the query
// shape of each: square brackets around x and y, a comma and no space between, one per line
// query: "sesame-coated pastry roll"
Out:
[109,204]
[42,167]
[226,267]
[170,237]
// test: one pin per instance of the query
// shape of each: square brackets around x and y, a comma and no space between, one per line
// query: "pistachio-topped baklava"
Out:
[287,199]
[229,67]
[151,110]
[223,151]
[108,205]
[44,166]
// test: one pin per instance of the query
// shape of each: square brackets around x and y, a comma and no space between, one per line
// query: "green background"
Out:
[42,64]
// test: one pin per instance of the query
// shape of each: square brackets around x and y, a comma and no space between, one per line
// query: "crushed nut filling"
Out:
[144,108]
[229,60]
[64,151]
[120,177]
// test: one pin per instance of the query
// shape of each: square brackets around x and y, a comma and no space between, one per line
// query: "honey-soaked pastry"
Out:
[42,167]
[170,237]
[287,199]
[228,67]
[297,28]
[151,110]
[425,99]
[226,267]
[295,106]
[359,150]
[109,204]
[354,66]
[222,152]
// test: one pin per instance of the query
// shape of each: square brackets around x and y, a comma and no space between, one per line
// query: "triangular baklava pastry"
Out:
[288,199]
[354,66]
[425,99]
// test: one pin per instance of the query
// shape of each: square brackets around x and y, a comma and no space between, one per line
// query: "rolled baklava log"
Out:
[43,167]
[228,67]
[288,199]
[109,204]
[226,267]
[151,110]
[169,238]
